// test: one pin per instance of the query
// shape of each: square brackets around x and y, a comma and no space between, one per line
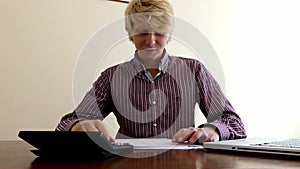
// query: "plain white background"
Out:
[257,42]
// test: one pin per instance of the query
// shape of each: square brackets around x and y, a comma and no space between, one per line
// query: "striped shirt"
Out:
[159,106]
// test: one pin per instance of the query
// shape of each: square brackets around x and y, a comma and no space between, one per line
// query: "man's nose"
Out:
[150,38]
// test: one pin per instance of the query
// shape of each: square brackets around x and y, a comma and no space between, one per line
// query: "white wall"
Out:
[267,54]
[256,42]
[40,42]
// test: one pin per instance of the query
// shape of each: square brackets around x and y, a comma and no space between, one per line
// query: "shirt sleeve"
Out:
[95,105]
[216,108]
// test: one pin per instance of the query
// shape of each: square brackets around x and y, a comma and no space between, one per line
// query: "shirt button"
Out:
[154,102]
[154,124]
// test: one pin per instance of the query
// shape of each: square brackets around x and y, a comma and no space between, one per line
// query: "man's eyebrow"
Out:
[142,30]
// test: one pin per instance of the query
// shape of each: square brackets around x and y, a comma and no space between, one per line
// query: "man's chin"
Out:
[150,52]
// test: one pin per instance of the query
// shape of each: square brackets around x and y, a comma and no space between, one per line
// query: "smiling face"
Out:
[149,24]
[149,42]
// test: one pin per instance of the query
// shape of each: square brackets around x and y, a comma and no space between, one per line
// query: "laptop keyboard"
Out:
[290,143]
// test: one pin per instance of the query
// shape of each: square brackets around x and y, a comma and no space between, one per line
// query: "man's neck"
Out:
[151,62]
[153,71]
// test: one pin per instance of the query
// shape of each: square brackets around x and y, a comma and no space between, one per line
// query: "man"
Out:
[154,94]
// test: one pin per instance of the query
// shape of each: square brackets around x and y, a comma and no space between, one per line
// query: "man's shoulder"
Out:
[187,60]
[123,65]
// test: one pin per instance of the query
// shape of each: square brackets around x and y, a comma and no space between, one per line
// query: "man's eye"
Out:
[147,33]
[144,33]
[159,34]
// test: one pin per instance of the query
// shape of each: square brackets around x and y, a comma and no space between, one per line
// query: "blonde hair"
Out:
[156,13]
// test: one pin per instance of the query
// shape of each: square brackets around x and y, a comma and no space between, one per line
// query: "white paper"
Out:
[111,124]
[157,144]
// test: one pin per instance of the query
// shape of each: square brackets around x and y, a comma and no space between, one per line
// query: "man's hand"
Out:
[92,125]
[192,135]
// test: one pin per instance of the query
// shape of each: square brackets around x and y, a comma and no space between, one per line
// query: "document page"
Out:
[157,144]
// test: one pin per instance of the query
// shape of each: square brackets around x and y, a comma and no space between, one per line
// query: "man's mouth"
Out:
[150,49]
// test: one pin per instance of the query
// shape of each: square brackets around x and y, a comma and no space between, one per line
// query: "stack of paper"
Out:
[157,144]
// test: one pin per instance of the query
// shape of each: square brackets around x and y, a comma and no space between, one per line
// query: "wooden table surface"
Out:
[17,155]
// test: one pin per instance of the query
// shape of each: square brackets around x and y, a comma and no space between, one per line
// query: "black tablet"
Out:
[69,144]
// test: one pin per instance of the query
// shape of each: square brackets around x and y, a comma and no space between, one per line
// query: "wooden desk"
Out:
[16,155]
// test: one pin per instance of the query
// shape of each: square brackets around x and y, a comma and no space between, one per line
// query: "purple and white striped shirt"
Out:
[157,107]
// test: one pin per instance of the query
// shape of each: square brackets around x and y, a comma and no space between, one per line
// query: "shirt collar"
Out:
[162,65]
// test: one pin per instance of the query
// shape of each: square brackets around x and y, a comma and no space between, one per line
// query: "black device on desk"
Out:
[73,145]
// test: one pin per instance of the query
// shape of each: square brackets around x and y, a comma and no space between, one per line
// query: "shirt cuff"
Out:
[70,125]
[220,128]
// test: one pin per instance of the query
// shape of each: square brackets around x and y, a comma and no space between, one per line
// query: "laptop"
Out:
[63,145]
[276,146]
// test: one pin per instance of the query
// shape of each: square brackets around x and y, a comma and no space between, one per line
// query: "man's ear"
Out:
[169,39]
